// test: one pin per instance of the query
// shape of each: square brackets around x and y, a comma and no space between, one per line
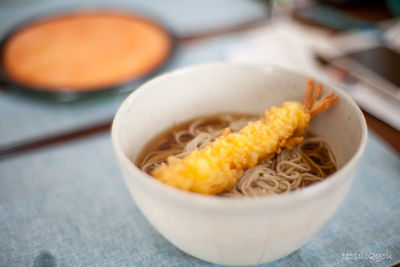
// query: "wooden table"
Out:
[389,134]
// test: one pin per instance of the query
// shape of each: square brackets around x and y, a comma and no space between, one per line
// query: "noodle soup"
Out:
[308,162]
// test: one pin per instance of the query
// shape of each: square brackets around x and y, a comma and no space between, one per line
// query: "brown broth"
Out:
[165,140]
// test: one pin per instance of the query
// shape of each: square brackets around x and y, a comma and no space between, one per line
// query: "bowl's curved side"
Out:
[223,230]
[244,238]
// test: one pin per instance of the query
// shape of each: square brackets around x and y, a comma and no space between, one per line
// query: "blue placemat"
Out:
[68,206]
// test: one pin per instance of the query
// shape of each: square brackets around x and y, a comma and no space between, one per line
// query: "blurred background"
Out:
[352,43]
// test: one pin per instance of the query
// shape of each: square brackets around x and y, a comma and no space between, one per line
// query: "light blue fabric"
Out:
[71,201]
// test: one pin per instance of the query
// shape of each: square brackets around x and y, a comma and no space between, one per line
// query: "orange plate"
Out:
[84,51]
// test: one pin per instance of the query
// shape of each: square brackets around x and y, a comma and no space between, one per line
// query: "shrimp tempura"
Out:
[217,167]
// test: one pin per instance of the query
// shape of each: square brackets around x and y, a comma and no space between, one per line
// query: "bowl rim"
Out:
[209,201]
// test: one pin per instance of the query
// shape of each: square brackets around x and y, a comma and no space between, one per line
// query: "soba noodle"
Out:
[308,162]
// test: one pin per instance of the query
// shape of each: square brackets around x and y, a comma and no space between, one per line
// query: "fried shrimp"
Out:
[217,167]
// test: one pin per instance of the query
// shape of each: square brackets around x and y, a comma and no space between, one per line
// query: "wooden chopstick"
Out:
[11,150]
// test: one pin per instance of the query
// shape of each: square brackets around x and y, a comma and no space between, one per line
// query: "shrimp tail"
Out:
[312,104]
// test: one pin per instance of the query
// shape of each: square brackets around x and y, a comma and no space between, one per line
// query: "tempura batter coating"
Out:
[217,167]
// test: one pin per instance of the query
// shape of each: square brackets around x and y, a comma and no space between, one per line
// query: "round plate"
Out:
[72,89]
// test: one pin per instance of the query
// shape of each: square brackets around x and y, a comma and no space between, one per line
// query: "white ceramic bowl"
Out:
[227,230]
